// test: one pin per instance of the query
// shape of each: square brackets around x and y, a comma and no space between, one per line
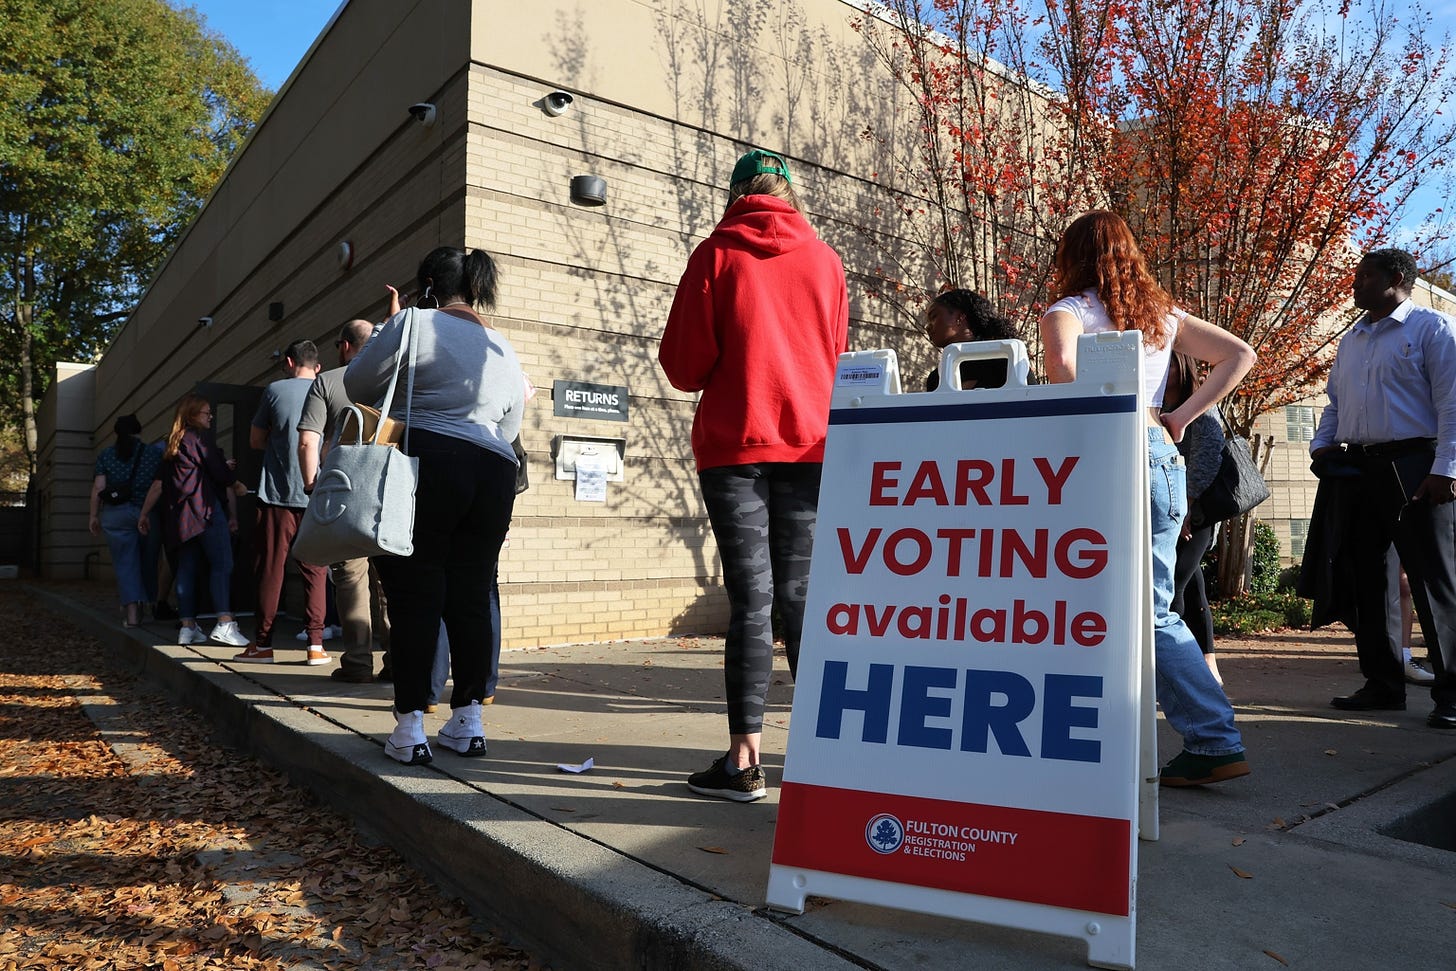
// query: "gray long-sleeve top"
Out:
[1202,449]
[467,379]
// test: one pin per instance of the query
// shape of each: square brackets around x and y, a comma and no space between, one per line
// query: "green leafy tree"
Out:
[117,117]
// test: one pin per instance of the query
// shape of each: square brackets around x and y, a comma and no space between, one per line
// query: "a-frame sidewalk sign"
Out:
[972,730]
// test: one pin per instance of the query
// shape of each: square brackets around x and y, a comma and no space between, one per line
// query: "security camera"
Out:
[204,321]
[556,103]
[424,113]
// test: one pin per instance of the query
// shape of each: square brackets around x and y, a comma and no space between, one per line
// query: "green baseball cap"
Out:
[759,162]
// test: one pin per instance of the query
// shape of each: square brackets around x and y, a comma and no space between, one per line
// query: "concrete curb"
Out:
[573,900]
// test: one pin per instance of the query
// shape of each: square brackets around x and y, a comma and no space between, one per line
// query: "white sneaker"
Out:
[463,732]
[227,633]
[330,631]
[407,742]
[189,635]
[1416,674]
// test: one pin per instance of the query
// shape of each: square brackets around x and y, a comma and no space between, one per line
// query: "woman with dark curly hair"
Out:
[965,315]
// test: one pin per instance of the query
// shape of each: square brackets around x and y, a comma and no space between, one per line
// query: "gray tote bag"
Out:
[363,502]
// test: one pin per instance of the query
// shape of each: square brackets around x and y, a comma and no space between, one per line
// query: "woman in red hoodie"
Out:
[757,325]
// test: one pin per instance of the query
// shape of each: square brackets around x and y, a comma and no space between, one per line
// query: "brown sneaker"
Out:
[255,654]
[316,656]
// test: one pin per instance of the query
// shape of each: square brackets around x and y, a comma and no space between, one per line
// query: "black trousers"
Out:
[462,511]
[1190,598]
[1424,535]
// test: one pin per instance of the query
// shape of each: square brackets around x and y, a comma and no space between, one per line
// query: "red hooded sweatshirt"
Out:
[757,325]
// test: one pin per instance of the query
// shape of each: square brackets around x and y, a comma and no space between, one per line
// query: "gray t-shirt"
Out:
[468,383]
[324,405]
[278,414]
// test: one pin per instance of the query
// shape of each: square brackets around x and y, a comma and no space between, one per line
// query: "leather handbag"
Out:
[1238,487]
[363,502]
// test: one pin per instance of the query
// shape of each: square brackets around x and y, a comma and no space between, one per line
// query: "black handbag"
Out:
[523,475]
[117,496]
[1238,487]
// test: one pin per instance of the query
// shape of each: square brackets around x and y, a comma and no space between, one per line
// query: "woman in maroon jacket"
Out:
[757,325]
[199,518]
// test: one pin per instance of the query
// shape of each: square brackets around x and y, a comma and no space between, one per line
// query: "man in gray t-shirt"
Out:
[281,502]
[322,409]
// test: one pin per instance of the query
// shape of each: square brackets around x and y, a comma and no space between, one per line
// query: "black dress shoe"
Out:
[1444,716]
[1369,699]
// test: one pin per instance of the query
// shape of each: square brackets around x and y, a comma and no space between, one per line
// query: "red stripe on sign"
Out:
[1060,859]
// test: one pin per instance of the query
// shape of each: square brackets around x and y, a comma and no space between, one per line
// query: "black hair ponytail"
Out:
[451,273]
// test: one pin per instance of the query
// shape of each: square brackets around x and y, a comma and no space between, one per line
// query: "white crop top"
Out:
[1088,309]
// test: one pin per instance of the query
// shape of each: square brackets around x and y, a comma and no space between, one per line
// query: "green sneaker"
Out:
[1188,769]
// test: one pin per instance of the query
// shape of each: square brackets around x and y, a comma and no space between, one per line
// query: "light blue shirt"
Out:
[1395,378]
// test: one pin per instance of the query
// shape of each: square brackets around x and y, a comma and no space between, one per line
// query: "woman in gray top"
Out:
[1202,450]
[465,410]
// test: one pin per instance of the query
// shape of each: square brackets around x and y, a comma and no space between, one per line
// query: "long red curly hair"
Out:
[1098,252]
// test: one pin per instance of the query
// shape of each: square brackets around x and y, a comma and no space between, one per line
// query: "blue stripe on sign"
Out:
[960,411]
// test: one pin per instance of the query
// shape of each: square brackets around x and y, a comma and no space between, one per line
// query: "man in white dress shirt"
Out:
[1392,411]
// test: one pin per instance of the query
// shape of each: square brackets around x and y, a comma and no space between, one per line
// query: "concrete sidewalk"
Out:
[622,866]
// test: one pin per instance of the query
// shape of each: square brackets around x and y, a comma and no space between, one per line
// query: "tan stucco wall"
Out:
[658,114]
[64,471]
[664,104]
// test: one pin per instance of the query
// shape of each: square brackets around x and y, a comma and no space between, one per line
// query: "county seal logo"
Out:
[884,833]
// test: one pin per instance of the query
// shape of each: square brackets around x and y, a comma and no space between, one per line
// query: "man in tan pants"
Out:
[322,409]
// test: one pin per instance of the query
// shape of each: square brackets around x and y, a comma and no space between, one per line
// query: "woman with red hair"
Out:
[199,518]
[1105,285]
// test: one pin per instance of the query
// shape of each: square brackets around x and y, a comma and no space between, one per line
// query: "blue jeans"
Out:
[216,544]
[119,523]
[1192,701]
[440,670]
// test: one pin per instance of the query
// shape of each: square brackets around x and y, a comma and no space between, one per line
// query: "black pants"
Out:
[1424,535]
[1190,598]
[462,511]
[763,518]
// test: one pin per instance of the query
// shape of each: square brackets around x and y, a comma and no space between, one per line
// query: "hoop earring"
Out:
[435,301]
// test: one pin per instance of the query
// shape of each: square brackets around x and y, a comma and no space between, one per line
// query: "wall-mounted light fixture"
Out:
[556,104]
[588,190]
[344,254]
[423,112]
[204,321]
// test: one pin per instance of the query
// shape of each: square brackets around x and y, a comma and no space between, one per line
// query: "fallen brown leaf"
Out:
[1238,841]
[172,852]
[1240,873]
[713,849]
[1278,958]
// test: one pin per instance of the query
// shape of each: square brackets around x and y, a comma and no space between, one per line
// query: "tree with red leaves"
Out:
[1256,150]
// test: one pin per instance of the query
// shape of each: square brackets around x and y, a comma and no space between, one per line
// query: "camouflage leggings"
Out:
[763,519]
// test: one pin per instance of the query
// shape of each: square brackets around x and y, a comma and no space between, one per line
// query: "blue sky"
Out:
[272,34]
[275,34]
